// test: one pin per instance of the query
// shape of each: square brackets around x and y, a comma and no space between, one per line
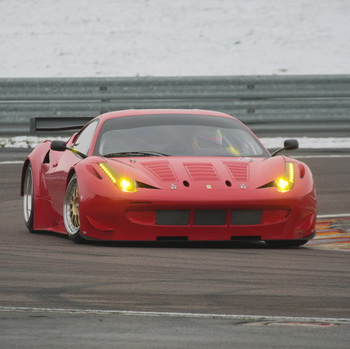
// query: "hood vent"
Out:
[238,171]
[201,172]
[162,170]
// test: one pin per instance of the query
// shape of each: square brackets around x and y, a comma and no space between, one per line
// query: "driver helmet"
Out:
[207,138]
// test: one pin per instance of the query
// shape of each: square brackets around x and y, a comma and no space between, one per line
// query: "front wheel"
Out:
[71,213]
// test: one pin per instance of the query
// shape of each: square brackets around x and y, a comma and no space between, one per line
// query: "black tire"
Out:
[285,243]
[28,198]
[71,215]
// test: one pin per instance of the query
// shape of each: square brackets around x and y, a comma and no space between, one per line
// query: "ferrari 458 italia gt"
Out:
[168,175]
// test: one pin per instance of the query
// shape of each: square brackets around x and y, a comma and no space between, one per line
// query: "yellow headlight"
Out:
[285,183]
[123,183]
[282,185]
[126,185]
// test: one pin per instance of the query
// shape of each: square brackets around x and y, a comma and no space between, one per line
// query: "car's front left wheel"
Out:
[28,198]
[71,213]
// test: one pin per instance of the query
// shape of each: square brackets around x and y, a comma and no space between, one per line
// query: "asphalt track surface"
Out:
[54,292]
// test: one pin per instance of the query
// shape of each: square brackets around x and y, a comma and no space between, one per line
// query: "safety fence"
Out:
[308,105]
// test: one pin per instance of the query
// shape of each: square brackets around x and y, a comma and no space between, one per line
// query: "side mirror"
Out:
[58,145]
[61,146]
[289,144]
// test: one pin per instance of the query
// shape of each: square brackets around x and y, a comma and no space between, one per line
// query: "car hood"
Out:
[218,172]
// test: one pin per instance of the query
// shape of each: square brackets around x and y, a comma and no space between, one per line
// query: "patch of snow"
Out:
[309,142]
[270,143]
[89,38]
[24,141]
[115,38]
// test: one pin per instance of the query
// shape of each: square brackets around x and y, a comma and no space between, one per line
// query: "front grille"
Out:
[246,217]
[210,217]
[172,217]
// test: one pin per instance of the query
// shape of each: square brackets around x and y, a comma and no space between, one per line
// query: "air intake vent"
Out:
[246,217]
[162,170]
[172,217]
[238,171]
[210,217]
[202,172]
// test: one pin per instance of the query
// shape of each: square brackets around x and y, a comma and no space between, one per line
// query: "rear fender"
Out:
[36,159]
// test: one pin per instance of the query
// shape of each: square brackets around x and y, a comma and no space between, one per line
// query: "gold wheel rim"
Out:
[71,215]
[74,208]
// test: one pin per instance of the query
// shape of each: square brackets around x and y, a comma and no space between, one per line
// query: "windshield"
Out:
[176,135]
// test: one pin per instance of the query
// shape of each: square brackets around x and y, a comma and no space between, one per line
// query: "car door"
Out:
[60,163]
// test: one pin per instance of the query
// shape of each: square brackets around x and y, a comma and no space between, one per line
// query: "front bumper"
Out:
[258,215]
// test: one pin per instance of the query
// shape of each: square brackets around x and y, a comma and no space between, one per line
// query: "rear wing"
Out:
[57,123]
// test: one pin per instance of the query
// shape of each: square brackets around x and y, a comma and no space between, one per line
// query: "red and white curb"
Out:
[332,233]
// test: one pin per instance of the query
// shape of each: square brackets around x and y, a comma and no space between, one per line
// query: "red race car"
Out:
[158,175]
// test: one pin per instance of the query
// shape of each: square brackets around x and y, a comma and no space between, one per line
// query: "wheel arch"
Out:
[36,160]
[24,169]
[71,173]
[36,171]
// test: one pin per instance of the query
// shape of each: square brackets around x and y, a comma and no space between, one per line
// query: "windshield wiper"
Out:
[135,153]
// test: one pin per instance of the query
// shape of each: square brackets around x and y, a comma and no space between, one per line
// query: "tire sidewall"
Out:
[28,218]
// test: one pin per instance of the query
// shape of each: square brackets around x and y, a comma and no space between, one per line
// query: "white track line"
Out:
[339,215]
[320,156]
[179,315]
[10,162]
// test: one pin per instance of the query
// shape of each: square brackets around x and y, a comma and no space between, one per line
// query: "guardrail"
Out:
[269,105]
